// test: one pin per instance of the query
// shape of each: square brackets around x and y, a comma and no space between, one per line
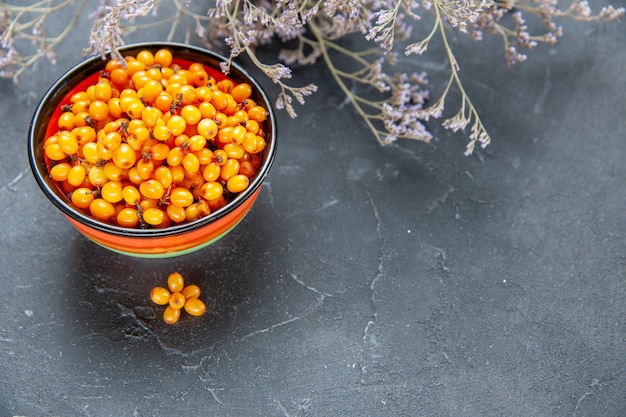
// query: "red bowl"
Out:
[168,241]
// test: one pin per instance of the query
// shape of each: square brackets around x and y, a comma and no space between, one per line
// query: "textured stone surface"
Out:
[400,281]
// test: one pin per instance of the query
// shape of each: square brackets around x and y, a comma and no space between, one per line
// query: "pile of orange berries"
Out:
[177,297]
[151,143]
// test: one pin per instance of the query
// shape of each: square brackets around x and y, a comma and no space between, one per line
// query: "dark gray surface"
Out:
[367,281]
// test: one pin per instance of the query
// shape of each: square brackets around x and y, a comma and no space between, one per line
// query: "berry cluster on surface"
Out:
[177,297]
[155,141]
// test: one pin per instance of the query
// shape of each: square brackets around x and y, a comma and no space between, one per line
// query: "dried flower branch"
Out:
[393,106]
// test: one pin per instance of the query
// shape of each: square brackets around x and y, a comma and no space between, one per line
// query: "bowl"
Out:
[178,238]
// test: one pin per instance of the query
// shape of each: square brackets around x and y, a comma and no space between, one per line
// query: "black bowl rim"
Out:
[86,67]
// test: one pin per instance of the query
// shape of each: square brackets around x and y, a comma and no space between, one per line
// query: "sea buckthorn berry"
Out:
[257,113]
[187,94]
[204,93]
[145,168]
[238,134]
[220,156]
[113,172]
[191,114]
[79,96]
[220,119]
[54,152]
[246,168]
[90,152]
[103,91]
[103,151]
[154,73]
[231,105]
[119,76]
[68,143]
[194,180]
[176,214]
[237,183]
[219,100]
[176,125]
[260,144]
[152,189]
[90,93]
[84,134]
[163,102]
[80,107]
[66,121]
[225,134]
[181,197]
[153,216]
[191,163]
[207,128]
[197,211]
[96,176]
[229,169]
[160,295]
[241,116]
[199,77]
[212,190]
[76,175]
[217,203]
[163,174]
[101,209]
[82,197]
[124,156]
[196,142]
[178,174]
[128,217]
[171,315]
[207,110]
[146,57]
[59,171]
[135,108]
[250,143]
[191,291]
[225,85]
[205,156]
[133,176]
[177,300]
[241,92]
[161,132]
[137,137]
[163,57]
[83,119]
[175,282]
[131,195]
[147,203]
[150,116]
[151,90]
[112,192]
[98,110]
[195,66]
[175,156]
[195,307]
[133,66]
[179,78]
[111,141]
[159,151]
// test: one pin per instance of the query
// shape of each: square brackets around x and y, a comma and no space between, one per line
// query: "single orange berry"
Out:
[160,295]
[171,315]
[191,291]
[175,282]
[177,300]
[195,307]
